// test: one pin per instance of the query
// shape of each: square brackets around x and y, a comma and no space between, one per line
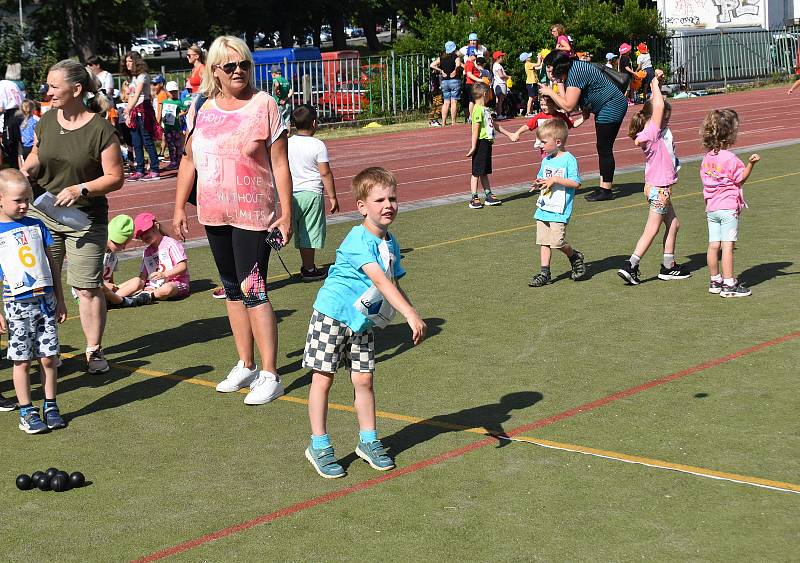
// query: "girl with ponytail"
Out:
[649,130]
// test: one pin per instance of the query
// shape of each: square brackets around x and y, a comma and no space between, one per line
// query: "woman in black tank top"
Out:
[448,65]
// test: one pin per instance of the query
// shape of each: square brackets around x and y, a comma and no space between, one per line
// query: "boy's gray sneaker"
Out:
[375,454]
[539,280]
[325,462]
[578,267]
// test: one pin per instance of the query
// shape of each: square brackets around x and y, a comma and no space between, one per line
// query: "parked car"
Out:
[171,44]
[325,35]
[357,32]
[146,47]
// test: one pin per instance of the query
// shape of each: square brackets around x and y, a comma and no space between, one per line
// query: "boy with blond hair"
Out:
[361,291]
[33,301]
[558,179]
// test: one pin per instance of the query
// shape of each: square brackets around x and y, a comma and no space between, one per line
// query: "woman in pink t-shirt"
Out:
[723,175]
[650,132]
[238,151]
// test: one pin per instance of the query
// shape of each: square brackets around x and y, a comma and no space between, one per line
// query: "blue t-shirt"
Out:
[26,250]
[27,131]
[347,282]
[557,205]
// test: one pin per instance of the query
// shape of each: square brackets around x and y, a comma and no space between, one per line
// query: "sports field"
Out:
[579,421]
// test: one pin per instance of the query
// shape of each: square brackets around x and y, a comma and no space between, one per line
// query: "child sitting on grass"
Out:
[120,232]
[361,291]
[33,301]
[558,179]
[311,174]
[165,266]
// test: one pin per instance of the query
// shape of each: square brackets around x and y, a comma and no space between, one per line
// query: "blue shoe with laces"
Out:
[30,422]
[52,418]
[375,454]
[325,462]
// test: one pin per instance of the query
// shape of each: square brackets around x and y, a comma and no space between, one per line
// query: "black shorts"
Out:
[533,90]
[482,159]
[242,258]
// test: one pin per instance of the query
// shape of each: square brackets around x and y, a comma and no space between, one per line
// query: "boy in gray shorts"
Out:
[33,301]
[311,174]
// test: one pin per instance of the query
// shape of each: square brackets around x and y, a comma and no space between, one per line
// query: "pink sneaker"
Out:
[135,177]
[218,293]
[151,176]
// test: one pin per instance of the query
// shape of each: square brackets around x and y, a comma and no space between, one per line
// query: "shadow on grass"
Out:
[489,417]
[197,331]
[389,342]
[620,190]
[765,272]
[519,195]
[197,286]
[143,389]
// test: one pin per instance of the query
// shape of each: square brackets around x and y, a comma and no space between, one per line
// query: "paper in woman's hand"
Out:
[68,216]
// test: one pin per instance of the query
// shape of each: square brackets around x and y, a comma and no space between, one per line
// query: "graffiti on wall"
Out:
[711,13]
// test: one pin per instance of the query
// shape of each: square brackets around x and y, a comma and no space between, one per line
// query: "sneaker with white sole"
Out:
[266,387]
[238,378]
[629,273]
[7,405]
[735,290]
[325,462]
[30,422]
[96,361]
[375,454]
[715,286]
[676,272]
[218,293]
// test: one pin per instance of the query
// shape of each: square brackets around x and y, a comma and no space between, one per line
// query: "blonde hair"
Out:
[75,73]
[199,52]
[372,177]
[559,28]
[719,129]
[216,55]
[553,129]
[12,176]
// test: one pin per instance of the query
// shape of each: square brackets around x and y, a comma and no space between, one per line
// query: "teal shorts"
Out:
[308,218]
[723,225]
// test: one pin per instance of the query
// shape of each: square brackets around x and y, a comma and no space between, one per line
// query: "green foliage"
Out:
[514,26]
[36,60]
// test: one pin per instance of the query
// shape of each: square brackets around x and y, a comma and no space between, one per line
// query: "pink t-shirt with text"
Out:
[722,176]
[234,177]
[659,169]
[168,254]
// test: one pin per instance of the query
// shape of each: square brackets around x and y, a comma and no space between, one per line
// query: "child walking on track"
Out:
[361,291]
[723,175]
[558,179]
[649,130]
[33,301]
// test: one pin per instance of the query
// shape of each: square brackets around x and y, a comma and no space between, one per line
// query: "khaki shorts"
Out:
[84,250]
[550,233]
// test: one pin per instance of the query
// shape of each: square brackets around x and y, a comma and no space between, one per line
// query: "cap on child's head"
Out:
[524,57]
[473,36]
[172,86]
[143,222]
[624,48]
[642,48]
[120,229]
[275,69]
[610,56]
[158,79]
[497,54]
[449,47]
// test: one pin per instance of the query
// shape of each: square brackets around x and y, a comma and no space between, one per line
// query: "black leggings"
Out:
[606,135]
[242,258]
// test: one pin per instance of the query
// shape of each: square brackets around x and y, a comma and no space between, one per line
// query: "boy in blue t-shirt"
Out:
[32,301]
[361,291]
[558,179]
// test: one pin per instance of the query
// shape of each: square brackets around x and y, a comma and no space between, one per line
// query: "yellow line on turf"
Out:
[616,456]
[659,464]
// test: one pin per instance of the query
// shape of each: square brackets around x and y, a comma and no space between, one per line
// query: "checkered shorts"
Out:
[32,331]
[330,342]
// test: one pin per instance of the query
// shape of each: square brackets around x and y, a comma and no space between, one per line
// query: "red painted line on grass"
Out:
[334,495]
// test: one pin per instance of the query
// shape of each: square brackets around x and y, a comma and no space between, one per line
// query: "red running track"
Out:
[431,162]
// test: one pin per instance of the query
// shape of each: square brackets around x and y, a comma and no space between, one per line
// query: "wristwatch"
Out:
[84,190]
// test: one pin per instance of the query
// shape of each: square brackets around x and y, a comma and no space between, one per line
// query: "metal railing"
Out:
[696,59]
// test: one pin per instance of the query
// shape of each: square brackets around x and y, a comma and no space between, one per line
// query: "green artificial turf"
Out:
[170,461]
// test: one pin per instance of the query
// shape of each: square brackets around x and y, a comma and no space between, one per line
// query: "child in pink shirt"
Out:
[165,267]
[723,174]
[649,131]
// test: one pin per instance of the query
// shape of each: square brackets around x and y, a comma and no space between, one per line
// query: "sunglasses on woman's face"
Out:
[228,68]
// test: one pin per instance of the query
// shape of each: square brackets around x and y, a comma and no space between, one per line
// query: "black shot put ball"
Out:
[24,482]
[59,483]
[35,477]
[51,472]
[77,480]
[44,483]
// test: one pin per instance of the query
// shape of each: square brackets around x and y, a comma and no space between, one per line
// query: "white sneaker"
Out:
[238,378]
[267,387]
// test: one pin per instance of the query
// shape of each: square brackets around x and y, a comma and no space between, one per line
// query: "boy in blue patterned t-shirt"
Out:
[32,301]
[361,291]
[558,179]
